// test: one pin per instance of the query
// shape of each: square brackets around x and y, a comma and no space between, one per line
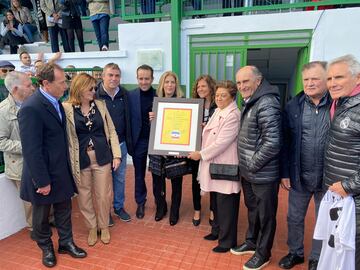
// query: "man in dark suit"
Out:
[140,104]
[47,179]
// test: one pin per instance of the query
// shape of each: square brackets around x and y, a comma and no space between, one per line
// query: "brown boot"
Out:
[92,238]
[105,236]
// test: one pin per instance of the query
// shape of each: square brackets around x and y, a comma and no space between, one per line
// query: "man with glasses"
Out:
[5,67]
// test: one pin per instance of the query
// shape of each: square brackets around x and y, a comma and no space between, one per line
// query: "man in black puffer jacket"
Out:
[342,149]
[259,144]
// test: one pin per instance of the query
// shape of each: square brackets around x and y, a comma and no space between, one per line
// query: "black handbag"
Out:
[176,167]
[224,172]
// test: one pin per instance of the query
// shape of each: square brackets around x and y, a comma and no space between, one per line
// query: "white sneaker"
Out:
[104,48]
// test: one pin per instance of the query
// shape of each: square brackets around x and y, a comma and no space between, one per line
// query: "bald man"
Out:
[259,143]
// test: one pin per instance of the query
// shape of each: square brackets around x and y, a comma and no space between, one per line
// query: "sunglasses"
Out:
[6,70]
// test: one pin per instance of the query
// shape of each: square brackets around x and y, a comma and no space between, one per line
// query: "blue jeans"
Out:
[298,205]
[148,6]
[54,38]
[29,30]
[101,28]
[196,4]
[119,179]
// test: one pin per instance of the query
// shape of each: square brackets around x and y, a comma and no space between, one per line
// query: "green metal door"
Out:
[221,63]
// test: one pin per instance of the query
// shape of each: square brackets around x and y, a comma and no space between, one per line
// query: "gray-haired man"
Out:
[20,88]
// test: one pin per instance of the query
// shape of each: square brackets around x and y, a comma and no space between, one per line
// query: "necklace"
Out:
[89,116]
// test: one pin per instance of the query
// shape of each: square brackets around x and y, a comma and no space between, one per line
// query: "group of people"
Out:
[54,17]
[81,145]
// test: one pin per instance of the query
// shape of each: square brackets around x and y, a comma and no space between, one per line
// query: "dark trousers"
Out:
[226,213]
[101,28]
[71,39]
[139,160]
[54,38]
[196,188]
[298,205]
[159,190]
[196,4]
[148,6]
[227,4]
[41,229]
[261,201]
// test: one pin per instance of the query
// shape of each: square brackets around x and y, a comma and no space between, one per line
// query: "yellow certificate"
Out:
[176,126]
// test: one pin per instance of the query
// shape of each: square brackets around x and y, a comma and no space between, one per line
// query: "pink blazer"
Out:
[219,145]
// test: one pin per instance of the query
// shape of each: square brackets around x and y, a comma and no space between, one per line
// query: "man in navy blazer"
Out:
[140,103]
[47,178]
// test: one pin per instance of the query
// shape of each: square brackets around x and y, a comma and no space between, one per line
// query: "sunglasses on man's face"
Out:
[6,70]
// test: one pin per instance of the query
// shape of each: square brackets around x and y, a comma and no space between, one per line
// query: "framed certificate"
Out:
[177,127]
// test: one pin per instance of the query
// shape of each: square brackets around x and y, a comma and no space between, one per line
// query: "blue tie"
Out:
[57,107]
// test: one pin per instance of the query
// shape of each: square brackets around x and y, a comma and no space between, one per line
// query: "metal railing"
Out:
[145,10]
[150,10]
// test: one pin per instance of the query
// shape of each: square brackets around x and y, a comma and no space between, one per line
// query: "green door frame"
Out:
[303,55]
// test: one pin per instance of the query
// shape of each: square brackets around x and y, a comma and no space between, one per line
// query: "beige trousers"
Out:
[95,180]
[27,205]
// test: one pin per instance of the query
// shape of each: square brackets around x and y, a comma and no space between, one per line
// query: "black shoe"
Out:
[244,248]
[211,222]
[219,249]
[140,211]
[313,264]
[211,237]
[174,217]
[196,222]
[256,262]
[160,213]
[290,260]
[48,257]
[71,249]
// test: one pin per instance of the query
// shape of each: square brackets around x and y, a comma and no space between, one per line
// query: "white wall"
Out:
[336,32]
[134,37]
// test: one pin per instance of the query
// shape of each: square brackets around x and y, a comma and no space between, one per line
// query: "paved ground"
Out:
[146,244]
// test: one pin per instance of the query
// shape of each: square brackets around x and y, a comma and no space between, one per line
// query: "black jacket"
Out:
[342,150]
[292,134]
[259,139]
[45,151]
[121,99]
[342,154]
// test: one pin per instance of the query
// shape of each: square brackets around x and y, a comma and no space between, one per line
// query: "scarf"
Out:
[354,92]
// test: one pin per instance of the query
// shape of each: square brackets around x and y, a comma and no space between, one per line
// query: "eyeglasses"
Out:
[6,70]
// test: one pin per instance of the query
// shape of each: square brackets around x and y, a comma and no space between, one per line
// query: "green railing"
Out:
[135,11]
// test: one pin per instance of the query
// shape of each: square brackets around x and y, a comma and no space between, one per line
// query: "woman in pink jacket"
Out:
[219,145]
